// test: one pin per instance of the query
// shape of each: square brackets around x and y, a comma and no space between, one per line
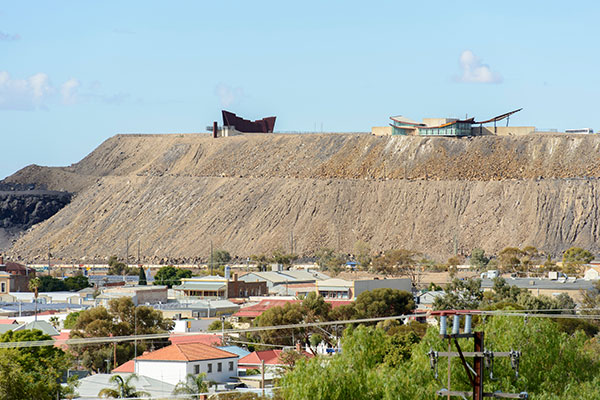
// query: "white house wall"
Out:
[174,372]
[166,371]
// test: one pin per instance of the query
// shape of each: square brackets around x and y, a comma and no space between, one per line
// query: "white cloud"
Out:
[474,71]
[69,91]
[228,95]
[7,37]
[36,91]
[24,94]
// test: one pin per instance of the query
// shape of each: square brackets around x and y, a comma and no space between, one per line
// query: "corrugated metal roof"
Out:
[201,286]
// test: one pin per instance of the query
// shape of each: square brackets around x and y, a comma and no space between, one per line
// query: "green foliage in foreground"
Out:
[554,365]
[31,372]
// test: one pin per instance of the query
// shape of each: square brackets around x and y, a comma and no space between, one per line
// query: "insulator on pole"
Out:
[456,325]
[443,324]
[468,319]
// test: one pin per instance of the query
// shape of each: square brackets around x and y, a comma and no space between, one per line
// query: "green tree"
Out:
[71,319]
[193,386]
[362,252]
[217,325]
[31,372]
[54,321]
[460,295]
[376,366]
[290,313]
[116,267]
[124,388]
[261,261]
[76,283]
[399,262]
[574,258]
[142,277]
[577,255]
[283,258]
[121,318]
[478,259]
[51,284]
[171,276]
[328,260]
[510,259]
[220,257]
[383,302]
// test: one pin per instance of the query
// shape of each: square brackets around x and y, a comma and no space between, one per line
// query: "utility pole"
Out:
[49,256]
[211,258]
[135,332]
[138,260]
[480,357]
[127,251]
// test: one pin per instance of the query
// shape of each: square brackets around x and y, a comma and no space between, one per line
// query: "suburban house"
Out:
[275,278]
[171,364]
[140,295]
[335,288]
[343,289]
[272,360]
[592,273]
[219,288]
[19,276]
[89,386]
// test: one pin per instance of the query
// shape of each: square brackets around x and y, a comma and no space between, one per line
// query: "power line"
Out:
[116,339]
[166,335]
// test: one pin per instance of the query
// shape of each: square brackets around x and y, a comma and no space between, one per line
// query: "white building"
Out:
[171,364]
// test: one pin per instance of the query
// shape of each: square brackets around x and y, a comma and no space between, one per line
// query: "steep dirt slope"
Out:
[318,156]
[176,193]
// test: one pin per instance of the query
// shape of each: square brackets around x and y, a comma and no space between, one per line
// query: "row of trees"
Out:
[554,365]
[48,283]
[313,308]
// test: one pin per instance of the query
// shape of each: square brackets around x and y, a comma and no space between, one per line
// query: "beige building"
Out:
[4,283]
[140,295]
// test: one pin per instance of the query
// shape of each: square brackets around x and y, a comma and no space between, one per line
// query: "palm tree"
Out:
[34,285]
[124,390]
[54,321]
[193,386]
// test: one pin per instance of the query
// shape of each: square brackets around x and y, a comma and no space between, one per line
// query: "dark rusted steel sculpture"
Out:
[264,125]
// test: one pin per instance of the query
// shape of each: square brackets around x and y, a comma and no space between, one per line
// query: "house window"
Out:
[231,365]
[197,369]
[209,368]
[3,288]
[219,369]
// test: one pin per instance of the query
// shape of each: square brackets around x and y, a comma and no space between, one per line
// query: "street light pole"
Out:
[134,334]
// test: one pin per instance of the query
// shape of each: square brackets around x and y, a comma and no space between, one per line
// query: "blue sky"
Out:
[74,73]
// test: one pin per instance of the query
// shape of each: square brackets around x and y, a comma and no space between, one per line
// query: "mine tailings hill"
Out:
[174,194]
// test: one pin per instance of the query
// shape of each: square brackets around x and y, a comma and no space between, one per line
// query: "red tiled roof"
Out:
[271,357]
[187,352]
[60,339]
[205,338]
[265,304]
[7,321]
[129,366]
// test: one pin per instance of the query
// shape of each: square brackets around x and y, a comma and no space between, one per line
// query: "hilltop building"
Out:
[451,127]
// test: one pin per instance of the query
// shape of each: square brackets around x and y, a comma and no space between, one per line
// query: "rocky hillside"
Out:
[176,193]
[22,206]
